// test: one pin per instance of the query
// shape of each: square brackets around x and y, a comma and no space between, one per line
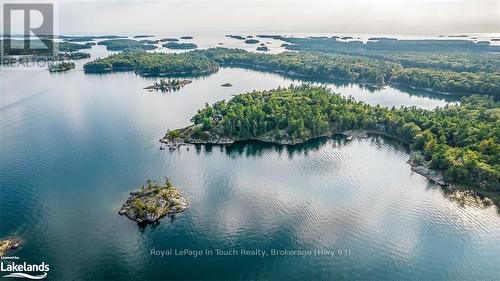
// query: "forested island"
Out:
[238,37]
[122,44]
[251,41]
[459,141]
[381,44]
[79,39]
[180,46]
[154,63]
[169,40]
[152,202]
[359,69]
[72,56]
[149,41]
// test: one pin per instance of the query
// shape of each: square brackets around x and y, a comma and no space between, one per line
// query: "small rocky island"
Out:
[168,85]
[8,244]
[153,202]
[62,66]
[262,48]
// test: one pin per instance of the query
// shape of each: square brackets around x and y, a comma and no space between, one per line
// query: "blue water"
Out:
[73,145]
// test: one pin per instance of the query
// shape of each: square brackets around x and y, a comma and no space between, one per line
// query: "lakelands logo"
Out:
[24,270]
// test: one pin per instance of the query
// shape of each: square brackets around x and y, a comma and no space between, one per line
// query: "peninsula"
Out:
[457,141]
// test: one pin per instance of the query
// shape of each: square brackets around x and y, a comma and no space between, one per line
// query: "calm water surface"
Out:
[73,145]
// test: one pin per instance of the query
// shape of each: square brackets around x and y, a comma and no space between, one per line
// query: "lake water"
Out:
[73,145]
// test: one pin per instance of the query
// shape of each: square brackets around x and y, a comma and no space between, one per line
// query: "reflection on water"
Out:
[338,85]
[258,148]
[73,146]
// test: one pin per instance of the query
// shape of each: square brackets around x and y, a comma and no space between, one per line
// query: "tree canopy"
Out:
[462,141]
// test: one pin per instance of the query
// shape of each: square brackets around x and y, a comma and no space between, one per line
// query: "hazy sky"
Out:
[358,16]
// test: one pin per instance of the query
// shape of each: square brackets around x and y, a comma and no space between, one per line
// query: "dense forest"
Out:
[309,64]
[454,55]
[153,63]
[387,45]
[180,46]
[359,69]
[362,69]
[462,141]
[459,62]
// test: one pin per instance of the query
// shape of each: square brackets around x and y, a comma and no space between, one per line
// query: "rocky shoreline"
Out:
[184,136]
[420,166]
[177,138]
[152,202]
[8,244]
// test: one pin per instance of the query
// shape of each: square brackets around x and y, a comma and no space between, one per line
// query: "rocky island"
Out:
[7,245]
[168,85]
[62,66]
[153,202]
[72,56]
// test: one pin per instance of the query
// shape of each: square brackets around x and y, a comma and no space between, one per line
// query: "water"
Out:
[73,145]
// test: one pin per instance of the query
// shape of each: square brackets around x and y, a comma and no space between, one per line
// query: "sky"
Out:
[419,17]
